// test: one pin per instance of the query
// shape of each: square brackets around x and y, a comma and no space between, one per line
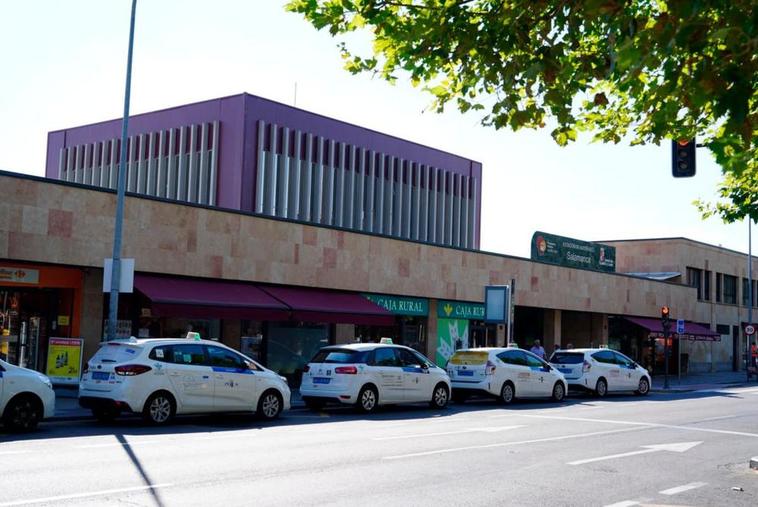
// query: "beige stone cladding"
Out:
[55,222]
[676,255]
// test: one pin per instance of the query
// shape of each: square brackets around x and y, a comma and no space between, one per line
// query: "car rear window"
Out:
[339,356]
[567,357]
[116,353]
[469,357]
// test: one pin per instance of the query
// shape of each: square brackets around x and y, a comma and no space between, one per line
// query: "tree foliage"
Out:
[645,70]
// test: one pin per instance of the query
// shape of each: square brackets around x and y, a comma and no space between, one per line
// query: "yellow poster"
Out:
[64,360]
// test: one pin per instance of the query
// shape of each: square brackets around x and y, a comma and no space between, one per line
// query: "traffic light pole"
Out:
[666,326]
[748,355]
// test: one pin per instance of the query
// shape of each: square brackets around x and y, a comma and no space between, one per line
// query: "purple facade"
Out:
[237,155]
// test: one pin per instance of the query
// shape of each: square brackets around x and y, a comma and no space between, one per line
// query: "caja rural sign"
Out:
[573,253]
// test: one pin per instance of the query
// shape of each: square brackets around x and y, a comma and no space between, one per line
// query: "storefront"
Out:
[409,325]
[642,339]
[280,326]
[38,304]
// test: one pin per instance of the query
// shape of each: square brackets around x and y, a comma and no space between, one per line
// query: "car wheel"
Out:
[440,396]
[601,388]
[270,405]
[559,392]
[507,393]
[644,387]
[159,408]
[459,397]
[367,399]
[23,413]
[105,414]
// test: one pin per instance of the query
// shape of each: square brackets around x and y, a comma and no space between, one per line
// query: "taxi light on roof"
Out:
[386,341]
[512,345]
[192,335]
[603,346]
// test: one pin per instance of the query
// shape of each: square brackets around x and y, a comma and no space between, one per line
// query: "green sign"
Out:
[573,253]
[400,305]
[452,334]
[458,310]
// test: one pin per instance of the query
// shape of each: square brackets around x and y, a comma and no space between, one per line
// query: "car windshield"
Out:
[339,356]
[567,358]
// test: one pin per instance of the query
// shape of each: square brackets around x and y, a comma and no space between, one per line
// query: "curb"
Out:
[754,462]
[685,389]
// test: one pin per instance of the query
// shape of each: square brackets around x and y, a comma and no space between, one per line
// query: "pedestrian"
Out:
[538,350]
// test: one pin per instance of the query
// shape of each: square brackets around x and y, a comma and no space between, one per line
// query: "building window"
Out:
[722,329]
[745,292]
[707,286]
[730,289]
[719,277]
[695,279]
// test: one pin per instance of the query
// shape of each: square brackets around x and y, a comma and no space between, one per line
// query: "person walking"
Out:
[538,350]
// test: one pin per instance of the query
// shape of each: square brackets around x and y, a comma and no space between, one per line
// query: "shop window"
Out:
[695,279]
[730,289]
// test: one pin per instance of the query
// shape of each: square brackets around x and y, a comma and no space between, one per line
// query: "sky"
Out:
[62,64]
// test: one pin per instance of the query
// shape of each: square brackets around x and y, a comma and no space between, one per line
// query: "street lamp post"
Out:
[121,190]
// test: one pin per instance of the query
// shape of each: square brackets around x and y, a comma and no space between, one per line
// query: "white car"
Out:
[26,397]
[506,373]
[367,375]
[601,371]
[162,377]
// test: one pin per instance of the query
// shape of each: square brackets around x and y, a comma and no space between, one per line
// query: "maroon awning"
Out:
[320,305]
[692,331]
[181,297]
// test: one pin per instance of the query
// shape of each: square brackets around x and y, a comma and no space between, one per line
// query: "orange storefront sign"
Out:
[47,277]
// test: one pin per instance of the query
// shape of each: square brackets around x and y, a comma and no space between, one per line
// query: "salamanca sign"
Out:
[573,253]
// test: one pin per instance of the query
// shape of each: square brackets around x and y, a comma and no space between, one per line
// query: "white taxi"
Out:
[367,375]
[26,397]
[161,377]
[506,373]
[601,371]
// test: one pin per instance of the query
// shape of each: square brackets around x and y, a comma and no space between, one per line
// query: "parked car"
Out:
[601,371]
[26,397]
[367,375]
[505,373]
[160,378]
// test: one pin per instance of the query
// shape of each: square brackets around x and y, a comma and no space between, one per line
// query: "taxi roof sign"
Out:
[193,335]
[385,340]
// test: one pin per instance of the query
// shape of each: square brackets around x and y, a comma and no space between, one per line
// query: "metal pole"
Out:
[116,268]
[749,294]
[666,355]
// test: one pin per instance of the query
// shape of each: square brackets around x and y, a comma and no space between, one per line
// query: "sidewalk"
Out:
[700,381]
[67,404]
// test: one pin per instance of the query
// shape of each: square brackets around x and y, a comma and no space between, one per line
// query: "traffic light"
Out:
[683,158]
[665,315]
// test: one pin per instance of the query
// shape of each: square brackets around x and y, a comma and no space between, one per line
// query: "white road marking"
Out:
[682,489]
[83,495]
[457,432]
[625,503]
[679,447]
[506,444]
[643,424]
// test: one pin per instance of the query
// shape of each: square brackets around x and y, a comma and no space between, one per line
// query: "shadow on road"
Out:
[134,426]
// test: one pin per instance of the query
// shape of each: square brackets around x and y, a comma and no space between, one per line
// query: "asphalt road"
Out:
[679,449]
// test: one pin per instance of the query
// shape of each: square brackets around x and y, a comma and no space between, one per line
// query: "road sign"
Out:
[750,330]
[679,326]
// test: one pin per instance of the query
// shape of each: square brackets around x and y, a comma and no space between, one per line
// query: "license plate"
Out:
[100,375]
[321,380]
[465,373]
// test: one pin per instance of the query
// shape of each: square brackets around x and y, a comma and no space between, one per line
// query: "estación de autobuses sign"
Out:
[573,253]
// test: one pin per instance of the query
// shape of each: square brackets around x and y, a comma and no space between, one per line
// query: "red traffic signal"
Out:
[683,158]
